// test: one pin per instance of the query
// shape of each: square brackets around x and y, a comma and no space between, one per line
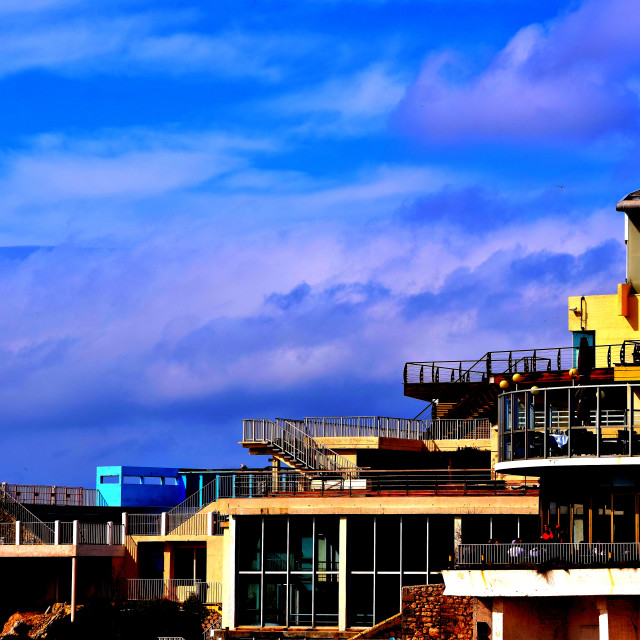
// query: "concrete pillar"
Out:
[342,575]
[56,532]
[210,523]
[163,523]
[76,532]
[124,524]
[74,576]
[169,561]
[18,531]
[603,619]
[109,532]
[229,577]
[497,622]
[457,536]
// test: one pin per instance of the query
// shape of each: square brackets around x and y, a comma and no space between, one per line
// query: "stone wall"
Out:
[427,614]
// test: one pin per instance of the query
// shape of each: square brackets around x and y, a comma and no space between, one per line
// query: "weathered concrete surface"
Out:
[530,583]
[398,505]
[60,551]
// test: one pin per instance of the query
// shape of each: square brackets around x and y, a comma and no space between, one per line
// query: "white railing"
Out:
[176,590]
[518,553]
[143,524]
[366,426]
[61,533]
[298,445]
[447,429]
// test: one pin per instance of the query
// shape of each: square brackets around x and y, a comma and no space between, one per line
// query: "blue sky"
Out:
[212,210]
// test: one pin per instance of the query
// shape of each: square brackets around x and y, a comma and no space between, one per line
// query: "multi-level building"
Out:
[348,511]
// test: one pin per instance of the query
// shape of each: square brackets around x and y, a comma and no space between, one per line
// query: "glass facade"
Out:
[287,571]
[287,568]
[556,422]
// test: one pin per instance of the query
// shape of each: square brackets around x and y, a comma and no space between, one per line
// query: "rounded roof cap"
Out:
[630,202]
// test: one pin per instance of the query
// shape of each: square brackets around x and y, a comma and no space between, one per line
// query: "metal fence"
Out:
[523,361]
[176,590]
[54,495]
[389,483]
[528,553]
[44,533]
[288,436]
[143,524]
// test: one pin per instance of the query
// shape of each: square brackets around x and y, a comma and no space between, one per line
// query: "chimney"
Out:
[630,205]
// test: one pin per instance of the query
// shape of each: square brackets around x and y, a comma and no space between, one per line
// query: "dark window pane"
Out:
[387,596]
[326,600]
[388,544]
[248,605]
[300,601]
[414,544]
[360,543]
[249,543]
[360,604]
[275,593]
[301,544]
[275,545]
[328,536]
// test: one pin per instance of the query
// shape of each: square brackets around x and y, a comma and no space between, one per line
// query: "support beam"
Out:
[497,619]
[603,619]
[74,576]
[342,575]
[457,535]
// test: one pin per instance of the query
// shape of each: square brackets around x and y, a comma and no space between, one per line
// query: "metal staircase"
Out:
[285,440]
[33,529]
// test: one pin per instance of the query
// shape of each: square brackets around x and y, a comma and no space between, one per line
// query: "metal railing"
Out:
[450,429]
[143,524]
[522,361]
[378,483]
[54,495]
[176,590]
[381,427]
[44,533]
[365,426]
[534,553]
[304,450]
[30,523]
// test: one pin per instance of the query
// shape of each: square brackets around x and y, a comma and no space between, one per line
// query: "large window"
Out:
[288,571]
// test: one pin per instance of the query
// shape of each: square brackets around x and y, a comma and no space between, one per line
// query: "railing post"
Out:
[56,532]
[76,533]
[18,532]
[210,523]
[125,524]
[163,523]
[109,532]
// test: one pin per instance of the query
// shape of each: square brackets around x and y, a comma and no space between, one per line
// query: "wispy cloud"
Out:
[570,79]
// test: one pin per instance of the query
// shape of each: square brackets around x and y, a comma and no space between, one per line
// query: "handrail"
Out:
[518,360]
[453,482]
[534,553]
[402,428]
[297,444]
[31,522]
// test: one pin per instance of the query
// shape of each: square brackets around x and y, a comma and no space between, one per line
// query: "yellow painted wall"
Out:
[603,315]
[215,556]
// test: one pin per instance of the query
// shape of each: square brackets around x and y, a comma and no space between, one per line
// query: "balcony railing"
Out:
[54,495]
[175,590]
[520,361]
[178,523]
[376,483]
[582,420]
[382,427]
[61,533]
[521,554]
